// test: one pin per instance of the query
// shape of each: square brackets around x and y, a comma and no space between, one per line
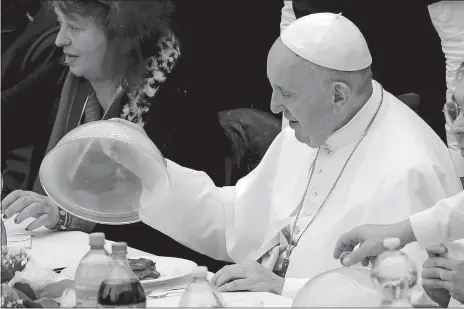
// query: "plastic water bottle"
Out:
[92,269]
[200,293]
[395,274]
[121,288]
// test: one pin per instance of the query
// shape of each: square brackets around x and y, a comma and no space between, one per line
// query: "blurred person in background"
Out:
[456,140]
[447,18]
[123,59]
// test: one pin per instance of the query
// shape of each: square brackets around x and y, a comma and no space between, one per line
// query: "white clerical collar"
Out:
[353,130]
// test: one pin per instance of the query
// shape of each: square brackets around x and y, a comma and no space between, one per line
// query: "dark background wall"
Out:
[230,41]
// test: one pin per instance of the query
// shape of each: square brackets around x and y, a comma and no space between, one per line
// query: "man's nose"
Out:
[62,38]
[276,106]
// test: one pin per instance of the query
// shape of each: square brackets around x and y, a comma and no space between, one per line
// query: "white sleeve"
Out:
[444,222]
[228,223]
[288,16]
[193,213]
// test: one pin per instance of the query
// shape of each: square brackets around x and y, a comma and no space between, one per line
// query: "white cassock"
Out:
[400,168]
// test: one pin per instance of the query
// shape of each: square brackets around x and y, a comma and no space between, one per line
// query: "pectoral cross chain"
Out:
[293,242]
[286,262]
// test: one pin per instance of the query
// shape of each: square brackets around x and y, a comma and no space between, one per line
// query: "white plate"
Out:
[170,268]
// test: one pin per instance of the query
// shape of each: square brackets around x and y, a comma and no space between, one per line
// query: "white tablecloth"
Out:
[62,249]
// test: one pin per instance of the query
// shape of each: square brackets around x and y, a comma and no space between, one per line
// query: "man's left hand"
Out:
[440,272]
[249,276]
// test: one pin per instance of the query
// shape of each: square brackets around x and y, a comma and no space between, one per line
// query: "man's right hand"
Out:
[439,295]
[30,204]
[371,238]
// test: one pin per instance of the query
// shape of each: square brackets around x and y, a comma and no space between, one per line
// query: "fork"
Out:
[166,294]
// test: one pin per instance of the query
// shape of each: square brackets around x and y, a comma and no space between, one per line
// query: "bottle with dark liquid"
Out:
[121,288]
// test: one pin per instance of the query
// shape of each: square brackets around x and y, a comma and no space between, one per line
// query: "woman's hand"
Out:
[30,204]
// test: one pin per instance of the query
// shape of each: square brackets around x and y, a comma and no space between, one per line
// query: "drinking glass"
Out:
[19,241]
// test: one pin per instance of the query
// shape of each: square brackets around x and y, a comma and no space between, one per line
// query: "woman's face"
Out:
[84,44]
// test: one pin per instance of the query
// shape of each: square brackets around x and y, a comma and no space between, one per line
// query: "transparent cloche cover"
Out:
[341,287]
[105,171]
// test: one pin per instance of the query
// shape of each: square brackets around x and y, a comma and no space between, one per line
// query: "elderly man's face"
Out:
[301,95]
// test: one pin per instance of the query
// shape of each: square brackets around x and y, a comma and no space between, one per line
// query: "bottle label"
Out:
[138,305]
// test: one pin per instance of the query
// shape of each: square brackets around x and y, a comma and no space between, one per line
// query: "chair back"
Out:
[251,132]
[410,99]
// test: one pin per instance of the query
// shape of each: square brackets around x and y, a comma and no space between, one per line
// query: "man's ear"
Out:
[341,95]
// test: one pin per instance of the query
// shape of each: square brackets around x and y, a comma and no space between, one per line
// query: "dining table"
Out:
[62,249]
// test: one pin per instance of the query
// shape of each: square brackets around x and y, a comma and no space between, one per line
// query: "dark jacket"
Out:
[28,47]
[405,47]
[182,122]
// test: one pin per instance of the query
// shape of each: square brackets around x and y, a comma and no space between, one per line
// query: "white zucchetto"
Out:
[328,40]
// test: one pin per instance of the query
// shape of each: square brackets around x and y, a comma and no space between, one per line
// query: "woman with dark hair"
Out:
[123,59]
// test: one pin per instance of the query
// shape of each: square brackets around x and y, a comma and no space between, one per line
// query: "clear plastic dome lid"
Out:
[341,287]
[105,171]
